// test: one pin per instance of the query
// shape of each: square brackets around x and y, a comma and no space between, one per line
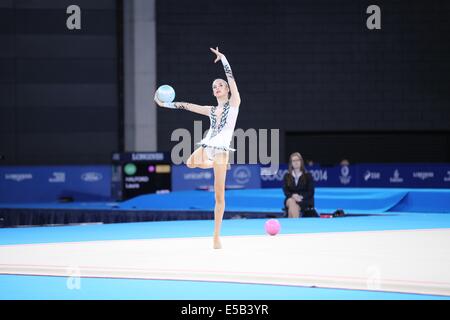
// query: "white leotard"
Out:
[221,130]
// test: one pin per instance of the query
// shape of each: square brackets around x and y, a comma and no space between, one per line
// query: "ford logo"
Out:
[91,176]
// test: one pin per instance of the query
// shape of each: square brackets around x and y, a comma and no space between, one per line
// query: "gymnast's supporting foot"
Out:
[217,244]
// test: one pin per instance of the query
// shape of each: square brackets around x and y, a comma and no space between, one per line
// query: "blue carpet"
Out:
[391,209]
[40,287]
[57,288]
[204,228]
[352,200]
[271,200]
[424,200]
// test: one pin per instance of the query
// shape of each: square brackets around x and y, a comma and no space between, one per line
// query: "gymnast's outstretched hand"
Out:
[219,55]
[235,99]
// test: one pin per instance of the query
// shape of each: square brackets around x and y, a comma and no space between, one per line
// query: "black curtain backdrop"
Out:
[60,89]
[313,67]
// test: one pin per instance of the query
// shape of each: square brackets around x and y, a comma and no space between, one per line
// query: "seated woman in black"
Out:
[298,187]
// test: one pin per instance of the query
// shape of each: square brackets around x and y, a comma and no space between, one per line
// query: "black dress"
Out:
[304,187]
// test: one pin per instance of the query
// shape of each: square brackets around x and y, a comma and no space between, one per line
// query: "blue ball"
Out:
[166,93]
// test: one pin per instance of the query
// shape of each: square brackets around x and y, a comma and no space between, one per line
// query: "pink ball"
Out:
[272,226]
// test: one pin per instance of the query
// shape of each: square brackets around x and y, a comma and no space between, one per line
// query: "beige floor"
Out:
[414,261]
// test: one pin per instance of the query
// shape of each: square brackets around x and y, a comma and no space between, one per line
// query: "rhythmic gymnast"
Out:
[215,147]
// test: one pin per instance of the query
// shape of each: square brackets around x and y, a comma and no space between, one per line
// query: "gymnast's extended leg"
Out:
[220,173]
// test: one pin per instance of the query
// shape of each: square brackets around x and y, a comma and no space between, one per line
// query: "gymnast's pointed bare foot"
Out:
[217,244]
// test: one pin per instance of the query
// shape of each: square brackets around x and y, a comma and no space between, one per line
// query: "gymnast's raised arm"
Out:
[204,110]
[235,99]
